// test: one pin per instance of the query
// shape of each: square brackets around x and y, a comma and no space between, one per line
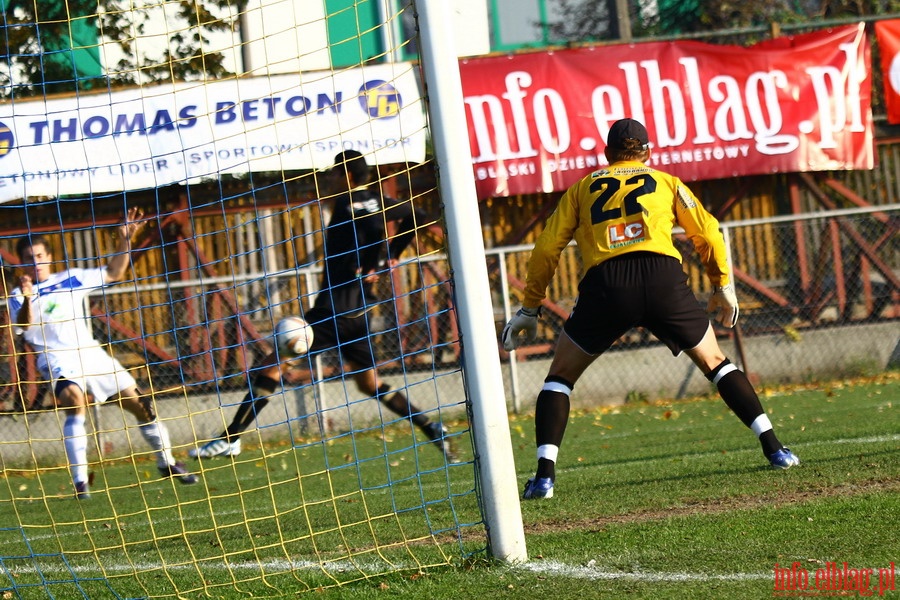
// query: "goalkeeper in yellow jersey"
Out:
[622,219]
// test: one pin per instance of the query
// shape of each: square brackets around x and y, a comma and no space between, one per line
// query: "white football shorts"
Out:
[91,369]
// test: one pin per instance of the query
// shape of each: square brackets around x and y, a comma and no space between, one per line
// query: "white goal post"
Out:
[481,362]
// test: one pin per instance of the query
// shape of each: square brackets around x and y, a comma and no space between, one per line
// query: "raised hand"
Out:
[134,221]
[26,285]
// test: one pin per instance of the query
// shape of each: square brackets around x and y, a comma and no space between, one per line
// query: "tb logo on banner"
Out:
[888,35]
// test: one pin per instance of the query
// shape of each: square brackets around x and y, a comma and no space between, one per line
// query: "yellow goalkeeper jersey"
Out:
[626,207]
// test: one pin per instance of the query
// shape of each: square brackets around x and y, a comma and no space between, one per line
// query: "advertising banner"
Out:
[888,35]
[154,136]
[538,121]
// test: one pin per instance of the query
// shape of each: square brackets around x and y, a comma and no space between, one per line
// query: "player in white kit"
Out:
[47,310]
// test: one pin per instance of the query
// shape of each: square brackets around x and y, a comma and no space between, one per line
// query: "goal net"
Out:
[216,125]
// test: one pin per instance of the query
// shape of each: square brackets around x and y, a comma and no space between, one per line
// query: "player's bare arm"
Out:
[118,264]
[25,315]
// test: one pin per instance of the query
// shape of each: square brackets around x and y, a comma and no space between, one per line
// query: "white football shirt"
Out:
[63,324]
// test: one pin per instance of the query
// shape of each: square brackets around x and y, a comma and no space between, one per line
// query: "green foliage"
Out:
[49,47]
[635,396]
[582,21]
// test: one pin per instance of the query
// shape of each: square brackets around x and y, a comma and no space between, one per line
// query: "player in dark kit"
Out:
[356,247]
[622,219]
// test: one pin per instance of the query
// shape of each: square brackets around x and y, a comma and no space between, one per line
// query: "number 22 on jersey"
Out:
[616,212]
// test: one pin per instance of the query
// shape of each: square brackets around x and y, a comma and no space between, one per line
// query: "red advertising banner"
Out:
[888,35]
[538,121]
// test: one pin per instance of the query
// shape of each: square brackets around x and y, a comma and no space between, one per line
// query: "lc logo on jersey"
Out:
[380,99]
[625,234]
[7,140]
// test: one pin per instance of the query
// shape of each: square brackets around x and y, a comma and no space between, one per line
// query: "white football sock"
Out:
[76,447]
[548,451]
[157,435]
[761,425]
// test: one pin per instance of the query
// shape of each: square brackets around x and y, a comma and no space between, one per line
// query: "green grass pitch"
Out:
[653,500]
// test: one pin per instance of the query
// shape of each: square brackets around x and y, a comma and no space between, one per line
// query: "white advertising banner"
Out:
[150,137]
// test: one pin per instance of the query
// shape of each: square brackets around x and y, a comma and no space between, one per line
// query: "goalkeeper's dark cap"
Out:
[626,129]
[354,163]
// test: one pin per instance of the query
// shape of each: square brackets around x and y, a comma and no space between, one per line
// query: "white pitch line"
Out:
[797,447]
[559,569]
[595,573]
[588,572]
[591,571]
[268,567]
[868,440]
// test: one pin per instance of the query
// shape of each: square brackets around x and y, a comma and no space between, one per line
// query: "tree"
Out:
[587,20]
[54,46]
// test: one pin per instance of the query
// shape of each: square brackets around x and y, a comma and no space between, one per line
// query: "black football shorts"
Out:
[638,289]
[348,335]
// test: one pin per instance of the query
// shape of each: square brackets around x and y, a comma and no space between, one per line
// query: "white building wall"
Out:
[281,36]
[285,36]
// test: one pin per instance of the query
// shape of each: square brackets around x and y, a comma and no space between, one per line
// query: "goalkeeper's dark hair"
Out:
[633,150]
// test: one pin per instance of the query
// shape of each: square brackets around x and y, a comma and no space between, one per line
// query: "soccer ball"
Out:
[293,336]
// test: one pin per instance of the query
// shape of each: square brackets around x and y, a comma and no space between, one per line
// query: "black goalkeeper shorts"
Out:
[639,289]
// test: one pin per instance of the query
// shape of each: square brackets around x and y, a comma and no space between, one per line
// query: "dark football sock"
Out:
[551,415]
[400,404]
[769,442]
[254,401]
[737,392]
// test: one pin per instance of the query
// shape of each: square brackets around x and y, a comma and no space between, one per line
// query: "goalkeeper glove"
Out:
[723,305]
[524,321]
